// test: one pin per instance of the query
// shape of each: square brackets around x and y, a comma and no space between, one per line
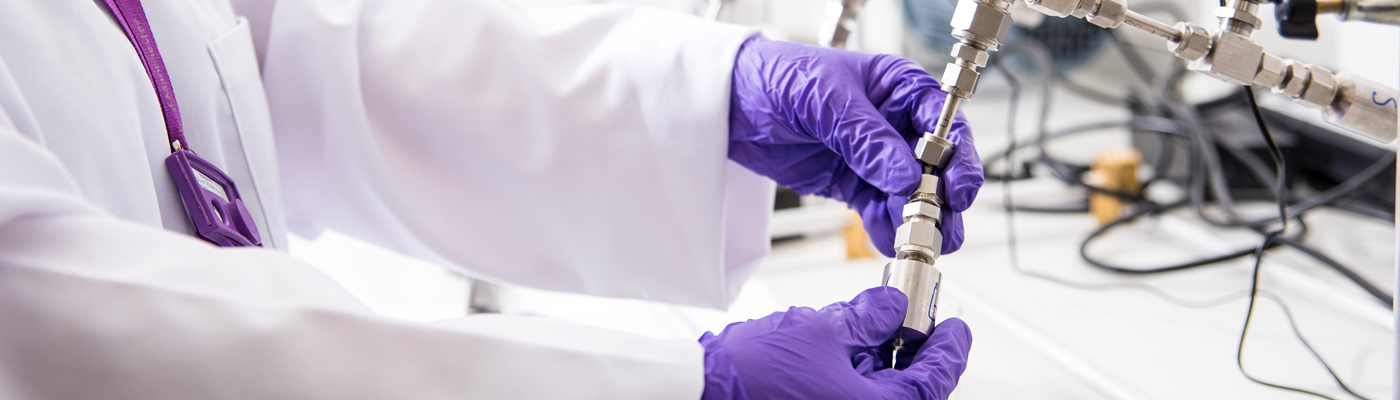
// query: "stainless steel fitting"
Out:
[918,239]
[928,190]
[980,26]
[918,242]
[1194,41]
[919,281]
[1233,58]
[1364,107]
[933,150]
[1321,89]
[1271,71]
[1295,79]
[1108,13]
[1238,16]
[1054,8]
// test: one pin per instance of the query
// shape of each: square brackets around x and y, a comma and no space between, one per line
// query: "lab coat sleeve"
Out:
[93,306]
[579,149]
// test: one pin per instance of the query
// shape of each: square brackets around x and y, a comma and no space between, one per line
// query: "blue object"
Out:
[827,354]
[842,125]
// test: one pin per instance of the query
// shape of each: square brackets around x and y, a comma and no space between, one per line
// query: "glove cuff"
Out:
[721,380]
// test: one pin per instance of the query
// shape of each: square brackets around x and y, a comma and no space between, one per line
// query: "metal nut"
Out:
[918,233]
[1054,8]
[1195,42]
[981,23]
[1271,70]
[933,150]
[1322,88]
[1296,79]
[1082,9]
[922,210]
[928,183]
[959,81]
[1109,13]
[1244,17]
[969,53]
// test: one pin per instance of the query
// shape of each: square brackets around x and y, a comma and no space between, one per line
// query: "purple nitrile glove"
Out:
[842,124]
[826,354]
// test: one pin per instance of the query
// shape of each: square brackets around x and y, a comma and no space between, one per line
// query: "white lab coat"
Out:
[579,149]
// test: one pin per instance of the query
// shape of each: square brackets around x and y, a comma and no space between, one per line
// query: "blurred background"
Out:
[1144,297]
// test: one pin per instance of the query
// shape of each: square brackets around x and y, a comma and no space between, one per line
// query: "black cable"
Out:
[1253,292]
[1280,196]
[1205,169]
[1366,285]
[1205,174]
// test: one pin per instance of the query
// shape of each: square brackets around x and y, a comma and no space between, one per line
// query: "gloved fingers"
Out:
[963,176]
[943,358]
[952,230]
[900,87]
[866,362]
[872,148]
[869,319]
[880,215]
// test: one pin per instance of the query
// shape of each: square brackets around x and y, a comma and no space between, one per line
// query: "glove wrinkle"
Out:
[831,353]
[838,124]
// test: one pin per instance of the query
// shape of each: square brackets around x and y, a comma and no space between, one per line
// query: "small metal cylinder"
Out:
[1364,107]
[1152,26]
[945,117]
[1243,21]
[1379,11]
[919,281]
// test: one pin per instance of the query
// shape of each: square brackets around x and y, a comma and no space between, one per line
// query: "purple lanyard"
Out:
[133,20]
[210,197]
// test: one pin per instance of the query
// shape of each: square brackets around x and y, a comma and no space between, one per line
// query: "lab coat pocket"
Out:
[237,65]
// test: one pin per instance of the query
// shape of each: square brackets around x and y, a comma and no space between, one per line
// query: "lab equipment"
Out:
[814,128]
[1227,54]
[211,199]
[803,353]
[918,243]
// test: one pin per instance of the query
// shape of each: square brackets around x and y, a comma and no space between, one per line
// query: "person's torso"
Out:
[71,80]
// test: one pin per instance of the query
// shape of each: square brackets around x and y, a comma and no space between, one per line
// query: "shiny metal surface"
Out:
[1271,71]
[920,282]
[1238,16]
[1193,42]
[1151,26]
[934,150]
[1364,107]
[1054,8]
[1378,11]
[1321,90]
[1108,13]
[1233,58]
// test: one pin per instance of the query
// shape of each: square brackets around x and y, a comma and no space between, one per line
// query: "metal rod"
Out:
[945,119]
[1151,26]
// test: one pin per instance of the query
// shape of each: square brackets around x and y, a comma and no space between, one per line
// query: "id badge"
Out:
[211,201]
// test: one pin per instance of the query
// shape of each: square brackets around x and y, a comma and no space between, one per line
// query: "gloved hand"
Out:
[842,124]
[807,354]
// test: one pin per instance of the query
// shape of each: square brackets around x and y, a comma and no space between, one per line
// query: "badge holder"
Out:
[209,197]
[211,201]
